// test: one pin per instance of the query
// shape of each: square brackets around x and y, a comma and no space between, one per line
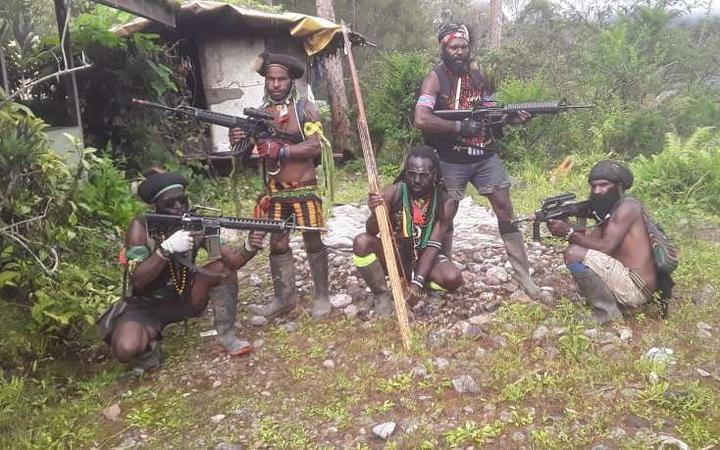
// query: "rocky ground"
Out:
[488,367]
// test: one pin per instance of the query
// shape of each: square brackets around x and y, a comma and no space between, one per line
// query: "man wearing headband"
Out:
[613,264]
[291,183]
[160,286]
[467,150]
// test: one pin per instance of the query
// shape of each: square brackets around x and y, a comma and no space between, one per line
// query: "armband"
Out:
[248,250]
[434,244]
[419,281]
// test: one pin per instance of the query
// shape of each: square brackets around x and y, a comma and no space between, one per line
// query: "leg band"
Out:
[576,267]
[364,261]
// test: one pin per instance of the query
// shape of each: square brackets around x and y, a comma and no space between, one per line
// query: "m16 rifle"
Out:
[490,113]
[210,225]
[256,125]
[557,207]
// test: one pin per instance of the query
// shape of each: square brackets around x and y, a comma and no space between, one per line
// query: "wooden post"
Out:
[396,284]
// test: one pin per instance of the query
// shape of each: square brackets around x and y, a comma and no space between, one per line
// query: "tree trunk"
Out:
[495,23]
[333,70]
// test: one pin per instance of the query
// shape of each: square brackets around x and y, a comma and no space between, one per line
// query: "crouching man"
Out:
[613,264]
[421,211]
[162,288]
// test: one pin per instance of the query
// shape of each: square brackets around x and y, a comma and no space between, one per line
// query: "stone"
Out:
[704,326]
[384,430]
[328,364]
[217,418]
[225,446]
[258,321]
[540,333]
[255,279]
[702,373]
[480,320]
[496,276]
[625,334]
[505,416]
[351,311]
[487,297]
[441,363]
[216,384]
[291,327]
[704,334]
[419,372]
[547,297]
[436,339]
[340,300]
[465,384]
[112,412]
[518,436]
[706,295]
[592,333]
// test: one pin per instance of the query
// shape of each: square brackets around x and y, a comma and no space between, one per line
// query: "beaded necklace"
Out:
[181,273]
[417,222]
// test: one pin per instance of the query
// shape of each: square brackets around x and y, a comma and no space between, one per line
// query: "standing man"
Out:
[468,150]
[162,289]
[613,264]
[291,183]
[420,214]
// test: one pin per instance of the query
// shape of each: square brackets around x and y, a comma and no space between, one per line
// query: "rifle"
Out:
[255,125]
[211,225]
[495,114]
[557,207]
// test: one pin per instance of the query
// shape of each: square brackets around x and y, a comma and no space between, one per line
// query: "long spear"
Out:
[396,285]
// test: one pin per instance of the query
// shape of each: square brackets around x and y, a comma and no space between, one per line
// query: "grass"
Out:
[563,392]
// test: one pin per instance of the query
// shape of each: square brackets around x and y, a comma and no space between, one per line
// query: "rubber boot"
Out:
[150,360]
[319,270]
[374,277]
[223,298]
[517,255]
[282,270]
[598,296]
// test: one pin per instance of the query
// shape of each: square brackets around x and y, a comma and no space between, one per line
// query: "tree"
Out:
[333,70]
[495,23]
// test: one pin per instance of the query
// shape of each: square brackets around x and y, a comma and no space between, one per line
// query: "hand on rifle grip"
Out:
[179,242]
[519,118]
[469,127]
[236,135]
[558,228]
[256,238]
[269,149]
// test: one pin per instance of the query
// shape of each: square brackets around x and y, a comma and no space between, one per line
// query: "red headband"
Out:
[454,35]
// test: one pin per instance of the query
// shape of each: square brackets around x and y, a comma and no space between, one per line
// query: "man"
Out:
[291,183]
[613,264]
[420,213]
[161,287]
[467,150]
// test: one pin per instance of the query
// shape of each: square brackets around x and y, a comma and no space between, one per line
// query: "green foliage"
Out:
[686,174]
[391,94]
[472,433]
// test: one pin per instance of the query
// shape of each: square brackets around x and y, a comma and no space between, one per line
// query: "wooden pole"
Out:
[396,284]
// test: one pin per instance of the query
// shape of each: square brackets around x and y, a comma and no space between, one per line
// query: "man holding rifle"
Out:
[160,286]
[291,182]
[467,148]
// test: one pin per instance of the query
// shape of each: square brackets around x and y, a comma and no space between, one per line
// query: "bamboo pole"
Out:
[396,284]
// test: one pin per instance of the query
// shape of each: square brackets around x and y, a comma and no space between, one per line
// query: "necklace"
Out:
[178,276]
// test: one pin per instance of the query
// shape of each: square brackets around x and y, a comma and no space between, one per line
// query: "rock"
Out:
[291,327]
[704,334]
[518,436]
[487,297]
[258,343]
[480,352]
[329,364]
[661,355]
[480,320]
[258,321]
[419,372]
[592,333]
[496,276]
[625,334]
[618,434]
[702,373]
[255,279]
[436,339]
[465,384]
[672,442]
[224,446]
[600,447]
[384,430]
[217,418]
[705,296]
[653,378]
[216,384]
[351,311]
[441,363]
[704,326]
[505,416]
[546,297]
[340,300]
[540,333]
[112,412]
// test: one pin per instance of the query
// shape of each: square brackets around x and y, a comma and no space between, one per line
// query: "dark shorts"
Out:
[156,314]
[487,176]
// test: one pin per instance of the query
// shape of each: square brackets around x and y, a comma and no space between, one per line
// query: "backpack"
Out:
[665,252]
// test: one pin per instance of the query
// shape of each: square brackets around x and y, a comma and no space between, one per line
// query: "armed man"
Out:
[468,149]
[420,212]
[291,183]
[163,286]
[613,265]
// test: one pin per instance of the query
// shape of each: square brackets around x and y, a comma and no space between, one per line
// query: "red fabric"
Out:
[122,257]
[418,215]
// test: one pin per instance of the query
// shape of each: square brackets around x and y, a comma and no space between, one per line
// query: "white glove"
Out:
[178,242]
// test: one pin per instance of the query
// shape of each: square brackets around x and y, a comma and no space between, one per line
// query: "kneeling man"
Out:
[612,264]
[421,212]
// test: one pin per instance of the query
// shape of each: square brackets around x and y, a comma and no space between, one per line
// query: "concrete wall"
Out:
[230,84]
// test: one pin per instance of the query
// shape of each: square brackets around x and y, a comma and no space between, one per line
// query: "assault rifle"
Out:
[256,125]
[558,207]
[497,113]
[210,225]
